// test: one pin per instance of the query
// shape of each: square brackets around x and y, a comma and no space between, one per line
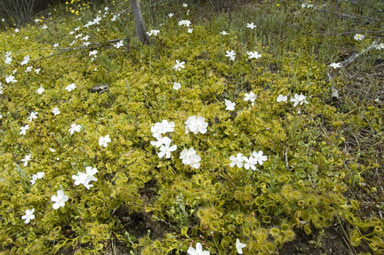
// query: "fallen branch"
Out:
[346,16]
[286,158]
[92,46]
[352,32]
[352,58]
[368,5]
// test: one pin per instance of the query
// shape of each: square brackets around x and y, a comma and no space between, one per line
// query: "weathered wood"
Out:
[141,31]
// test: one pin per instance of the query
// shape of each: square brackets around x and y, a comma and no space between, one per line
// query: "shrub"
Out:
[146,204]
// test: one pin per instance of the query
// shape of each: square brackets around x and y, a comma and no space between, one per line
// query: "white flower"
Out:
[55,111]
[335,65]
[10,79]
[253,54]
[179,65]
[251,26]
[176,85]
[40,90]
[166,149]
[189,157]
[8,58]
[55,45]
[238,160]
[119,44]
[25,60]
[29,69]
[231,55]
[79,178]
[17,30]
[239,246]
[250,162]
[59,200]
[196,124]
[259,157]
[162,127]
[250,97]
[37,70]
[104,140]
[160,141]
[230,106]
[380,46]
[74,128]
[186,23]
[1,89]
[52,150]
[153,32]
[299,100]
[170,15]
[44,27]
[93,53]
[85,38]
[70,87]
[28,215]
[190,30]
[281,98]
[185,5]
[32,116]
[197,251]
[26,159]
[114,18]
[358,37]
[224,33]
[38,175]
[23,130]
[306,5]
[85,178]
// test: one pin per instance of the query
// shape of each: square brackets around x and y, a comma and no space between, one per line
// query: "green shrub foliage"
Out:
[151,205]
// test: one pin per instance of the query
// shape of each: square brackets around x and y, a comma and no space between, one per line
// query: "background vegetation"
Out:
[321,187]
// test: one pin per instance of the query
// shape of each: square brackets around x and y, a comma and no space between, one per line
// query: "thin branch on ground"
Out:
[92,46]
[348,61]
[368,5]
[352,32]
[286,158]
[352,58]
[346,16]
[345,237]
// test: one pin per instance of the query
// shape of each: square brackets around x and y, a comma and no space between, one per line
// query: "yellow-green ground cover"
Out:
[141,202]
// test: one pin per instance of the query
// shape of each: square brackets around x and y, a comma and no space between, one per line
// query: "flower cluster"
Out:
[296,100]
[85,178]
[164,143]
[35,177]
[196,124]
[189,157]
[255,158]
[185,23]
[104,140]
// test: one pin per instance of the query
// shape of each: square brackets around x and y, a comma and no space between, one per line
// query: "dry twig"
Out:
[94,45]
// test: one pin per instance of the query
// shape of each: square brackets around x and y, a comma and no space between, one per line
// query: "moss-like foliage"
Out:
[153,205]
